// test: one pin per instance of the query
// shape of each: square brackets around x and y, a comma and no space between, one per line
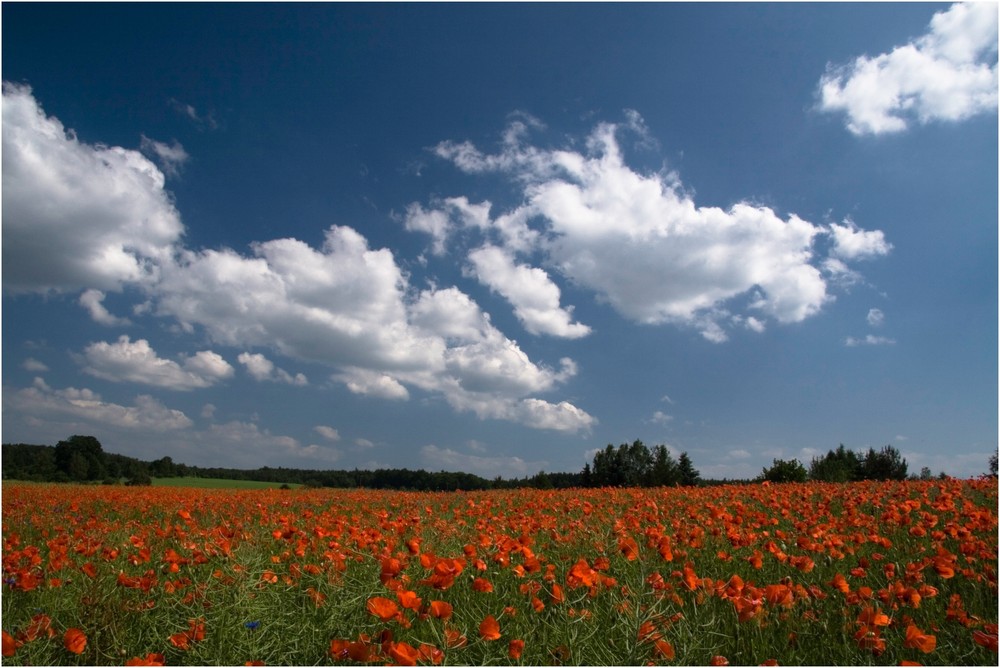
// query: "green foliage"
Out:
[840,465]
[635,466]
[80,458]
[785,471]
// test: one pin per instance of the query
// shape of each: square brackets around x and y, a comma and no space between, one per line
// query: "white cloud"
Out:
[869,340]
[42,402]
[948,74]
[363,443]
[659,417]
[348,307]
[137,362]
[436,458]
[529,290]
[373,383]
[875,318]
[208,411]
[92,300]
[263,369]
[170,156]
[329,433]
[640,242]
[739,454]
[33,365]
[75,215]
[850,243]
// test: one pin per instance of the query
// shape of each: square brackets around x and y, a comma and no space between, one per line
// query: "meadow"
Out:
[866,573]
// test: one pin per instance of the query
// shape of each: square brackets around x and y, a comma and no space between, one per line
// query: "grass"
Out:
[218,483]
[286,577]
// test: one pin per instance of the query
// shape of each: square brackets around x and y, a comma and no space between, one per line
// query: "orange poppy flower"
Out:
[917,639]
[409,599]
[987,637]
[403,654]
[515,648]
[383,608]
[440,609]
[629,548]
[489,629]
[150,659]
[664,649]
[718,660]
[75,641]
[482,585]
[9,644]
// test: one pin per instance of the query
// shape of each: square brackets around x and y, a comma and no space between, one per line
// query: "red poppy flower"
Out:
[917,639]
[383,608]
[9,644]
[75,641]
[489,629]
[440,609]
[515,648]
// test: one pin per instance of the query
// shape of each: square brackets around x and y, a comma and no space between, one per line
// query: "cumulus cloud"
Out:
[851,243]
[329,433]
[529,290]
[43,402]
[77,216]
[641,243]
[350,307]
[93,301]
[31,364]
[137,362]
[170,156]
[261,368]
[875,318]
[947,74]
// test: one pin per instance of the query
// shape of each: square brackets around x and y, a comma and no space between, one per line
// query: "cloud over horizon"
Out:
[344,305]
[638,241]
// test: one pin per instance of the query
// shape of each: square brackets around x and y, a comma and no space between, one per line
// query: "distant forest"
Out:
[82,459]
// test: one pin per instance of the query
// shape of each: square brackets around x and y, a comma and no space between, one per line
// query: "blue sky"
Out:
[494,238]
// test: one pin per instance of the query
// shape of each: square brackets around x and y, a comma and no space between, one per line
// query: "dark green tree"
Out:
[993,465]
[689,475]
[785,471]
[840,465]
[80,458]
[885,464]
[664,472]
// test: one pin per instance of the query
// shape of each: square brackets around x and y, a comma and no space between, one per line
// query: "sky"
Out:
[496,238]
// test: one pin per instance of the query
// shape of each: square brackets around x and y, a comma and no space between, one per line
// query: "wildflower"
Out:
[252,625]
[403,654]
[383,608]
[9,644]
[664,649]
[482,585]
[150,659]
[489,629]
[515,648]
[409,599]
[440,609]
[987,637]
[75,641]
[915,638]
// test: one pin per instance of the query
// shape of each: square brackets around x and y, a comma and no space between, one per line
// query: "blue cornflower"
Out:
[252,625]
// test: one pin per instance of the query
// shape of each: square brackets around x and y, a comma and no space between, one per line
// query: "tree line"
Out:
[82,459]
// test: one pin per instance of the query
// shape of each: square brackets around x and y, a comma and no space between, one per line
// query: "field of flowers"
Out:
[843,574]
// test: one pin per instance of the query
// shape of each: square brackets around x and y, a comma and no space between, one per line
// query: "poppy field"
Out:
[871,573]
